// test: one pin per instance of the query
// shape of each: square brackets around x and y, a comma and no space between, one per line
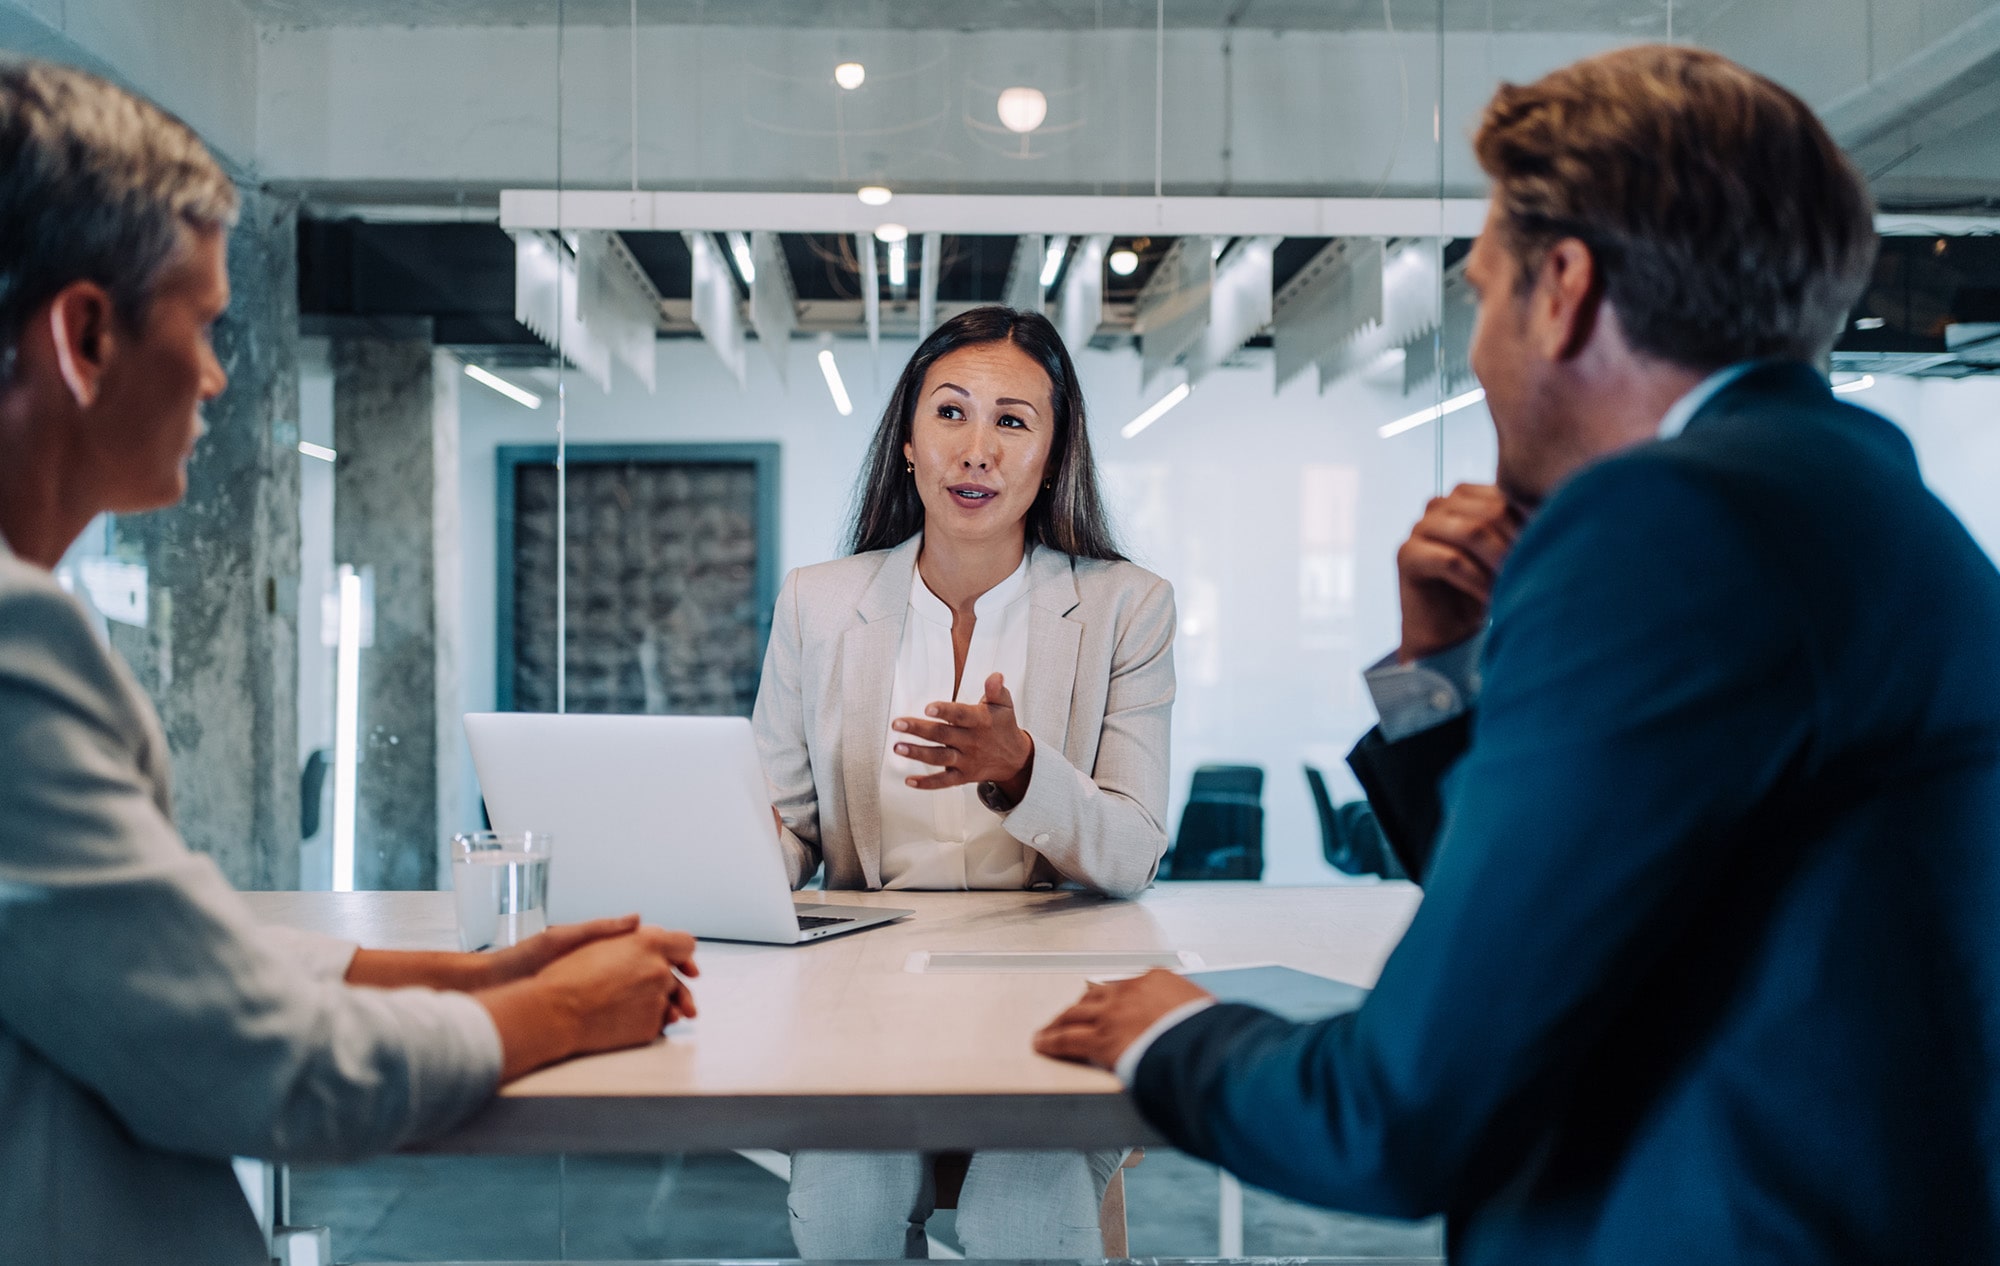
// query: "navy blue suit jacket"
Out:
[1708,964]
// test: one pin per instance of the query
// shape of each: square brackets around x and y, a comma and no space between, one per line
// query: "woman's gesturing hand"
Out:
[971,742]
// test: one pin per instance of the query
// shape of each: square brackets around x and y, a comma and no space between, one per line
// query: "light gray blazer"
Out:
[1099,693]
[149,1028]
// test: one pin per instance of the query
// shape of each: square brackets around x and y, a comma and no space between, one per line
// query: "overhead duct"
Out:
[616,302]
[545,301]
[774,311]
[714,304]
[1172,311]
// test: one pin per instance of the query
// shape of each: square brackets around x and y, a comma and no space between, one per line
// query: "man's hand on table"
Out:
[1111,1017]
[611,992]
[395,969]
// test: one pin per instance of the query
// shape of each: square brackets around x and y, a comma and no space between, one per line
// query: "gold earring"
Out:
[910,467]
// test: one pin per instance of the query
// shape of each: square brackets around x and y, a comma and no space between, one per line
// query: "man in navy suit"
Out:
[1708,964]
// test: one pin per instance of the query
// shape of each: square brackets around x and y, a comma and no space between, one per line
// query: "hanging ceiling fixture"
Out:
[1023,109]
[850,75]
[1124,262]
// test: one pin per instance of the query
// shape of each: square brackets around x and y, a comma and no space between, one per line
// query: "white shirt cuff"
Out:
[324,958]
[1411,698]
[1128,1063]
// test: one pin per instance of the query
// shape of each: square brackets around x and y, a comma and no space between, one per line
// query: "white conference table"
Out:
[837,1044]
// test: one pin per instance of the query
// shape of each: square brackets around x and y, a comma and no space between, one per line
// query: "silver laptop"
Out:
[668,816]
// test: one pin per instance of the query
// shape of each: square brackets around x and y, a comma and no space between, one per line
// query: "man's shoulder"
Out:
[48,646]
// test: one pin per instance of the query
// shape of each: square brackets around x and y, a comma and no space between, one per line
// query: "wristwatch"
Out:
[993,798]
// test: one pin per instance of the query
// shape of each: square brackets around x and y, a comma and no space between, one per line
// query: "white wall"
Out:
[1955,425]
[1276,520]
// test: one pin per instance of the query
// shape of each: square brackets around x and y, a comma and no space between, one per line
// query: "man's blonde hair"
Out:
[1724,221]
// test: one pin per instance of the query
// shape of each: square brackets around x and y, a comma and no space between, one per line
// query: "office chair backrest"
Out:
[1350,838]
[1332,846]
[1221,833]
[1213,781]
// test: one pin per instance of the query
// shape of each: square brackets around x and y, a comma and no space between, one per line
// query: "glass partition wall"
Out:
[562,326]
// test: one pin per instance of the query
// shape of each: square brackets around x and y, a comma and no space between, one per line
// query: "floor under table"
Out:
[583,1208]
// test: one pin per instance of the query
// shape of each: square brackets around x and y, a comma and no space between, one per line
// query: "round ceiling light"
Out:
[891,233]
[1023,109]
[874,195]
[1124,262]
[850,75]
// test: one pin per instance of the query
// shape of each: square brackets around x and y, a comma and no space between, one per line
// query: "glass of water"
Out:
[500,883]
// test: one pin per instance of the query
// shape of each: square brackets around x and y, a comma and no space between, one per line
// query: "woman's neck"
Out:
[960,572]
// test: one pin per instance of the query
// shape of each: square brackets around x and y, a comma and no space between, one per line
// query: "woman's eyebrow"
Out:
[951,386]
[1029,405]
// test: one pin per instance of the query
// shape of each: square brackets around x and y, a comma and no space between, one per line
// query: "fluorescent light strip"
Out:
[1862,383]
[739,249]
[1433,413]
[346,728]
[320,451]
[505,388]
[833,384]
[1158,411]
[899,262]
[1052,262]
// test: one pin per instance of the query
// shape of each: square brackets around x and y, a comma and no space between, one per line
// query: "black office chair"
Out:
[1349,836]
[1221,834]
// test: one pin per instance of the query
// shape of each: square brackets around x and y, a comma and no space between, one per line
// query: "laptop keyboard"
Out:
[807,922]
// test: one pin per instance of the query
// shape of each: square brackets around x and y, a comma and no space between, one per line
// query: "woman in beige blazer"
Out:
[976,697]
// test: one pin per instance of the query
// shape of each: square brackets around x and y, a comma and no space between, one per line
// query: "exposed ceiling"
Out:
[1631,17]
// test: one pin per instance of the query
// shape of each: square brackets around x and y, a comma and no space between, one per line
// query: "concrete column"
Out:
[219,652]
[395,423]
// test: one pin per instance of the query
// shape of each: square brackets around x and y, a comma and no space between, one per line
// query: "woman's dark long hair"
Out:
[1067,515]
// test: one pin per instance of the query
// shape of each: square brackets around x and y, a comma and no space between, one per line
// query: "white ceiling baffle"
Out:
[1239,303]
[774,310]
[545,300]
[1337,294]
[1080,309]
[616,301]
[1024,276]
[1172,312]
[717,313]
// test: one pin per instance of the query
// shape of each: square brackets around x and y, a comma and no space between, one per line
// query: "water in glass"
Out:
[501,886]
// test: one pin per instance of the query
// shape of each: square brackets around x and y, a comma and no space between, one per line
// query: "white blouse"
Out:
[948,839]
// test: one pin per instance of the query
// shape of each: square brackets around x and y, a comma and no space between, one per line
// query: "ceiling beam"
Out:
[1001,216]
[1960,61]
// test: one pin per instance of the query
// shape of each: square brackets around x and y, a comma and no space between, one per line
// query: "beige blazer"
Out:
[149,1027]
[1097,700]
